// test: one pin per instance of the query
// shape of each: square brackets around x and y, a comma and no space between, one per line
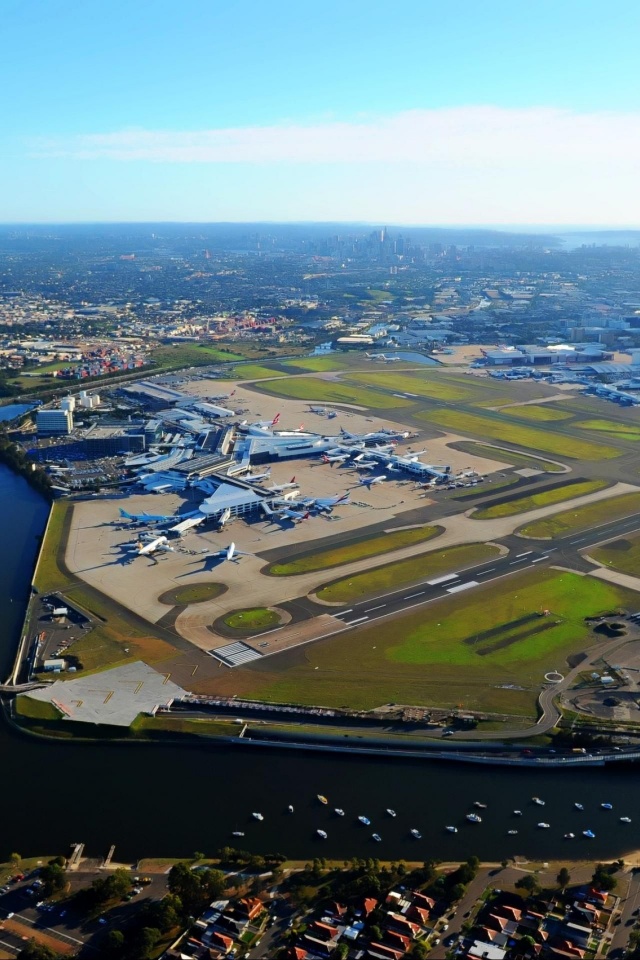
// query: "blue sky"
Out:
[426,112]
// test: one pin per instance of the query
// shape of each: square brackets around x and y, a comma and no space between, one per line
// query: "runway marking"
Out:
[342,613]
[489,570]
[379,607]
[410,596]
[463,586]
[537,559]
[526,554]
[579,540]
[451,576]
[350,623]
[511,563]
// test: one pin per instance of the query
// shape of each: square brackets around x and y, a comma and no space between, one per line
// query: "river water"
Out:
[168,800]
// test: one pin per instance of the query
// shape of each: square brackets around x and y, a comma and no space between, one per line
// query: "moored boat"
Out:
[415,833]
[578,806]
[512,833]
[257,816]
[517,813]
[589,834]
[474,818]
[290,808]
[391,812]
[364,820]
[569,836]
[607,806]
[538,801]
[321,798]
[543,826]
[237,833]
[339,812]
[625,819]
[376,837]
[452,829]
[322,834]
[479,805]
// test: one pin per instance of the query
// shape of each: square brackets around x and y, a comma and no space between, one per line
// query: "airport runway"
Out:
[523,555]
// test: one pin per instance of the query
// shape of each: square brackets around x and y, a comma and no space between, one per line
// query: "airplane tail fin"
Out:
[123,513]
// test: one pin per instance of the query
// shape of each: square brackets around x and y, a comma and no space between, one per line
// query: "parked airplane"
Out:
[224,517]
[150,518]
[338,458]
[148,549]
[228,553]
[288,514]
[326,504]
[382,357]
[369,481]
[367,465]
[279,487]
[256,477]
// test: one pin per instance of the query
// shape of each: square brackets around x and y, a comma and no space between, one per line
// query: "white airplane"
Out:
[288,514]
[279,487]
[256,477]
[393,467]
[150,518]
[227,553]
[383,358]
[148,549]
[337,458]
[367,465]
[369,481]
[224,517]
[326,504]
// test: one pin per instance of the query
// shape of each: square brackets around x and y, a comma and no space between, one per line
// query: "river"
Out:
[157,800]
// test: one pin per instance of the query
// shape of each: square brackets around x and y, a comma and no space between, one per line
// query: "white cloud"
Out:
[477,135]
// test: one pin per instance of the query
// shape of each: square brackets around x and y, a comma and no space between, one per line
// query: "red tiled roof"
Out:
[368,905]
[387,951]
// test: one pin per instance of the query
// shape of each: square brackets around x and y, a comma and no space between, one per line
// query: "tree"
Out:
[38,951]
[376,933]
[163,914]
[602,878]
[53,878]
[146,941]
[563,878]
[420,951]
[114,944]
[16,860]
[528,883]
[198,856]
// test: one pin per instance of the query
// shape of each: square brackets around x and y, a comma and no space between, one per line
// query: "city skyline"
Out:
[492,116]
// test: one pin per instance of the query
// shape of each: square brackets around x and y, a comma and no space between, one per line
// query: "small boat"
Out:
[589,834]
[543,826]
[257,816]
[391,812]
[512,833]
[452,829]
[625,819]
[474,818]
[364,820]
[376,837]
[415,833]
[321,798]
[480,806]
[237,833]
[578,806]
[607,806]
[538,801]
[517,813]
[290,808]
[569,836]
[339,812]
[322,834]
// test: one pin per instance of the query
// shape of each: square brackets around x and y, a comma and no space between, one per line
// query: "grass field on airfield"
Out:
[498,428]
[620,431]
[622,554]
[583,518]
[486,649]
[544,498]
[506,456]
[381,580]
[360,549]
[330,391]
[542,413]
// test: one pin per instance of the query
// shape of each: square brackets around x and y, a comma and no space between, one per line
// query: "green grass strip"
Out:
[543,499]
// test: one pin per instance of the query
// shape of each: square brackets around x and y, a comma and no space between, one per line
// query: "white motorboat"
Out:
[538,801]
[512,833]
[391,812]
[569,836]
[474,818]
[257,816]
[339,812]
[480,806]
[607,806]
[452,829]
[322,834]
[376,837]
[364,820]
[589,834]
[517,813]
[237,833]
[416,833]
[543,826]
[290,808]
[321,798]
[579,806]
[625,819]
